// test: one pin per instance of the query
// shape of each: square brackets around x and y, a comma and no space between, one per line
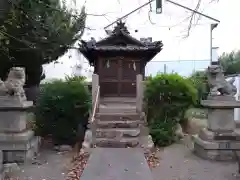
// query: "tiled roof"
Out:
[123,48]
[120,41]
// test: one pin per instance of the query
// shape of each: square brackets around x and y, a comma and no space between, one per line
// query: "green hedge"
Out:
[60,108]
[167,97]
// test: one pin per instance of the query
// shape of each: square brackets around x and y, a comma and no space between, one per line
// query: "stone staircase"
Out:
[117,124]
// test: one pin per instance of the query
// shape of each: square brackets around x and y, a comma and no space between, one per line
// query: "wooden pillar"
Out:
[95,84]
[140,93]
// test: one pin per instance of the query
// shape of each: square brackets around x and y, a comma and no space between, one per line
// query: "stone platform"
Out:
[17,143]
[116,164]
[213,146]
[219,139]
[19,147]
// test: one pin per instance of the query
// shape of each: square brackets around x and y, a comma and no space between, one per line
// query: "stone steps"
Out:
[116,143]
[117,109]
[117,116]
[118,124]
[117,133]
[117,100]
[117,130]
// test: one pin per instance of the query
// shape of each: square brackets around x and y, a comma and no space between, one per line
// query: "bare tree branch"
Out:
[192,17]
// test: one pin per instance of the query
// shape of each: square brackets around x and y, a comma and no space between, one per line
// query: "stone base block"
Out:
[212,151]
[210,136]
[19,147]
[237,124]
[147,144]
[2,176]
[22,156]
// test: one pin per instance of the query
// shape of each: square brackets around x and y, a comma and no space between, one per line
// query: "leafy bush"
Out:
[163,132]
[60,108]
[167,96]
[199,80]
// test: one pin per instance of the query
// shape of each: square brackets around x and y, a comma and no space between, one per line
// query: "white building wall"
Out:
[237,110]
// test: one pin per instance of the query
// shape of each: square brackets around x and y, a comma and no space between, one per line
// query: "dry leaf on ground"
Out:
[77,167]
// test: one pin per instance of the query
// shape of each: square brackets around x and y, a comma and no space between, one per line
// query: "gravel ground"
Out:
[179,163]
[50,165]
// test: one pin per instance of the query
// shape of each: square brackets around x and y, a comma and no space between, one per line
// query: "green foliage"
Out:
[200,82]
[230,62]
[36,32]
[60,108]
[76,78]
[167,96]
[163,132]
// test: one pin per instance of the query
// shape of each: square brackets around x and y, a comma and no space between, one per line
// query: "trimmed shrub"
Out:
[60,108]
[167,97]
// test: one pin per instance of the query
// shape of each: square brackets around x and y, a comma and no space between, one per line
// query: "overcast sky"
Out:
[168,27]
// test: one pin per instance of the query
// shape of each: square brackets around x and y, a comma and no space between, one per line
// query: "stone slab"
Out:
[215,150]
[22,155]
[13,121]
[118,124]
[220,120]
[221,98]
[1,162]
[215,155]
[117,143]
[16,137]
[217,145]
[117,164]
[17,142]
[221,104]
[117,116]
[14,104]
[117,132]
[207,135]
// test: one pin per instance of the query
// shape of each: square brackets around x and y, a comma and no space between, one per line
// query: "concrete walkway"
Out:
[117,164]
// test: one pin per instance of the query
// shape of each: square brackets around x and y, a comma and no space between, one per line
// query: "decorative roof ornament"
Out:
[120,27]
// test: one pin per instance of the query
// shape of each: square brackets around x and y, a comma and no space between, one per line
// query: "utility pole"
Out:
[212,26]
[165,69]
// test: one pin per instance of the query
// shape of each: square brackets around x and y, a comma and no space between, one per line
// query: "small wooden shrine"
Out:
[117,60]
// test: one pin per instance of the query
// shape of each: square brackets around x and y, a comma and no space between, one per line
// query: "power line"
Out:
[150,1]
[189,9]
[140,7]
[178,61]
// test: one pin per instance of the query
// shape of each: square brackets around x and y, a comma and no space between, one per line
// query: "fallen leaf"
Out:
[78,164]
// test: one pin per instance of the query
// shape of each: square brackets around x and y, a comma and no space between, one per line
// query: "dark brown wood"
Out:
[117,76]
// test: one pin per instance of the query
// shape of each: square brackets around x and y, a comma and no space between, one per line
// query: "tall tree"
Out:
[36,32]
[230,62]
